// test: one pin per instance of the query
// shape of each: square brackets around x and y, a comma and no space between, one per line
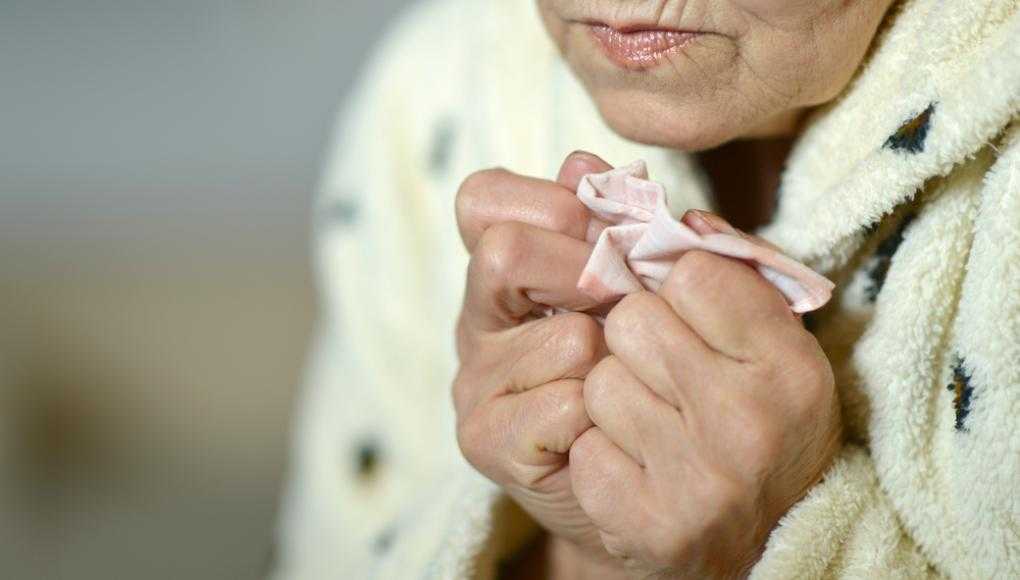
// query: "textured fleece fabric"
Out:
[905,191]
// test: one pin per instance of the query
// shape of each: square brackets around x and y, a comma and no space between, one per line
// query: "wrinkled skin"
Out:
[756,66]
[671,441]
[519,391]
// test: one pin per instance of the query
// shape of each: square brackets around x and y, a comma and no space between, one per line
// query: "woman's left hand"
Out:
[714,414]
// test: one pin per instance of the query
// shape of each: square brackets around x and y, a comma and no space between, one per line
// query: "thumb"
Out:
[577,165]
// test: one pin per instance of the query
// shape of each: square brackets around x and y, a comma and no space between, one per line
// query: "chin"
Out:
[682,125]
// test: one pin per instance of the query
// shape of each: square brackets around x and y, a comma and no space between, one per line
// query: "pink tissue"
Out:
[642,241]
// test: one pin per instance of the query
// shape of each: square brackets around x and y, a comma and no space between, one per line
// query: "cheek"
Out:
[784,13]
[554,24]
[774,57]
[808,52]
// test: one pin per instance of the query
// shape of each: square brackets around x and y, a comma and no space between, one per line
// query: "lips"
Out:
[639,49]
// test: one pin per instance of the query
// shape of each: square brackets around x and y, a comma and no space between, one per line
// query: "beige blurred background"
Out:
[157,160]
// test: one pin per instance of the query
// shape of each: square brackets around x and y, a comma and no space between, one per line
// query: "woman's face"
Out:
[692,74]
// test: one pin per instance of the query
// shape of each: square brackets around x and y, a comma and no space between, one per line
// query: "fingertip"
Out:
[705,223]
[577,165]
[693,219]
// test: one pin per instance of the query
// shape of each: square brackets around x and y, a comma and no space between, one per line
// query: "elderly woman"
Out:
[704,430]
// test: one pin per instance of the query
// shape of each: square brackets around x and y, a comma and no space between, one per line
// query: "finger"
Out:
[705,223]
[540,351]
[606,482]
[522,438]
[577,165]
[640,422]
[549,419]
[563,346]
[497,195]
[657,346]
[729,305]
[517,268]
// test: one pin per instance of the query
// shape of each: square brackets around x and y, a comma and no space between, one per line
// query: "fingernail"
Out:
[714,222]
[696,221]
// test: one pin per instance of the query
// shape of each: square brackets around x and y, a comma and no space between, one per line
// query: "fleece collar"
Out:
[942,81]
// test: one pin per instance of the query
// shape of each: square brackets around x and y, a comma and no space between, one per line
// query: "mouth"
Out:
[638,48]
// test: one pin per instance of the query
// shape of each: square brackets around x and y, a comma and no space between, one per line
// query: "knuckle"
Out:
[481,440]
[466,200]
[582,339]
[475,186]
[470,439]
[695,270]
[551,425]
[585,480]
[472,194]
[598,386]
[566,406]
[631,312]
[569,216]
[581,453]
[561,416]
[500,251]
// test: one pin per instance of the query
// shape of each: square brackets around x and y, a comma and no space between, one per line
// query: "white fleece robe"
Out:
[905,191]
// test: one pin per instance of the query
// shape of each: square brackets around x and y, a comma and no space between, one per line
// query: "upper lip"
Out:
[631,27]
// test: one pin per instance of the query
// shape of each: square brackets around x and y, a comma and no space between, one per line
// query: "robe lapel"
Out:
[940,84]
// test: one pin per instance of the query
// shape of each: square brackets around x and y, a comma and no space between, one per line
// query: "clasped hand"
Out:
[669,442]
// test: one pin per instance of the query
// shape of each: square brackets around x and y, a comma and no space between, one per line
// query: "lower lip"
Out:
[641,49]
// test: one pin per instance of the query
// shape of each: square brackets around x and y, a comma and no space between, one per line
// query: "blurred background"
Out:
[157,161]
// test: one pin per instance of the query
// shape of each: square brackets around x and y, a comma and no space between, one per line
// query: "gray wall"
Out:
[156,166]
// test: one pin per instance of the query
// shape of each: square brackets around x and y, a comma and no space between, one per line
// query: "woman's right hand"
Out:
[518,392]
